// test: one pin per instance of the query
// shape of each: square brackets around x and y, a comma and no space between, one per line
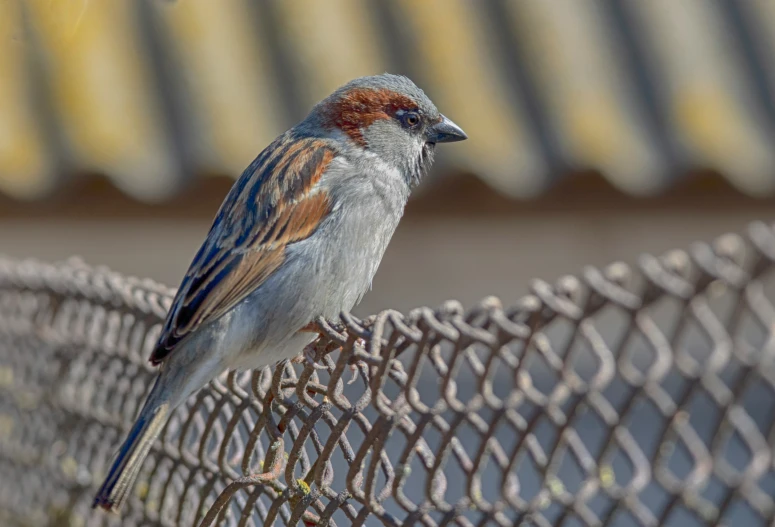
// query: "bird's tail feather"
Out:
[120,479]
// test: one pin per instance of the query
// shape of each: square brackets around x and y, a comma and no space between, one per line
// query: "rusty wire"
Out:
[629,396]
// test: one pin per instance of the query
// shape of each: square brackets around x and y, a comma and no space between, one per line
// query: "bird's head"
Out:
[389,116]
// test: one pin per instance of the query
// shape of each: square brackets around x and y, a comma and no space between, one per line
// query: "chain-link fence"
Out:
[628,396]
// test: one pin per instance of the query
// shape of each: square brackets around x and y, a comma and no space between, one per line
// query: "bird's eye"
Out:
[410,119]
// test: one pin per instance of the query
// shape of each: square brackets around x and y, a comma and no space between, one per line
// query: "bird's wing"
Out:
[277,201]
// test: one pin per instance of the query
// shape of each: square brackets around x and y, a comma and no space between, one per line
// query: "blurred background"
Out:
[598,129]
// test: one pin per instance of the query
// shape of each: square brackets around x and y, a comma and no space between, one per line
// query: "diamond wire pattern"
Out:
[626,396]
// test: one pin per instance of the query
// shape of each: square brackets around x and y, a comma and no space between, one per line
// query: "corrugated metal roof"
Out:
[152,94]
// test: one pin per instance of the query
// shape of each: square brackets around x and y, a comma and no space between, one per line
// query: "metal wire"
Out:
[627,396]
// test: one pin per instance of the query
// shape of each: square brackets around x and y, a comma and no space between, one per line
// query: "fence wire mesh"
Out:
[628,396]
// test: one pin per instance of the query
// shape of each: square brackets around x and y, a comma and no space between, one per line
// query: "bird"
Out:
[299,236]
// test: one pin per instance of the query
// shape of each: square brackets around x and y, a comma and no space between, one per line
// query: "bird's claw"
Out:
[308,356]
[354,370]
[354,367]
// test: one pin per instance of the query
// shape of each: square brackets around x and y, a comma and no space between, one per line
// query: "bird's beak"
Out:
[445,131]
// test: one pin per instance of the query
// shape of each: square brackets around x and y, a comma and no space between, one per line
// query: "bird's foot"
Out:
[308,355]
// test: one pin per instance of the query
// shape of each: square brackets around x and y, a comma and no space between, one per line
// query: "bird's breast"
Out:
[322,275]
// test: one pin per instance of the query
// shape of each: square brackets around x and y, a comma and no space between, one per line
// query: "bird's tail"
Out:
[120,479]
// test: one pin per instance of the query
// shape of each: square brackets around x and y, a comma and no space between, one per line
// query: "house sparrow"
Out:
[299,236]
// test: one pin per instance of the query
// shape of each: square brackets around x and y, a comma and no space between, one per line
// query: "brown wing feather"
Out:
[275,202]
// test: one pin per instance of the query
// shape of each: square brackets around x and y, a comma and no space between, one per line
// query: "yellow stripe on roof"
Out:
[103,94]
[226,71]
[580,76]
[463,80]
[334,41]
[25,171]
[711,107]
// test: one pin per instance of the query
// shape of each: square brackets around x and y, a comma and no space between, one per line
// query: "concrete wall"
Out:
[465,244]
